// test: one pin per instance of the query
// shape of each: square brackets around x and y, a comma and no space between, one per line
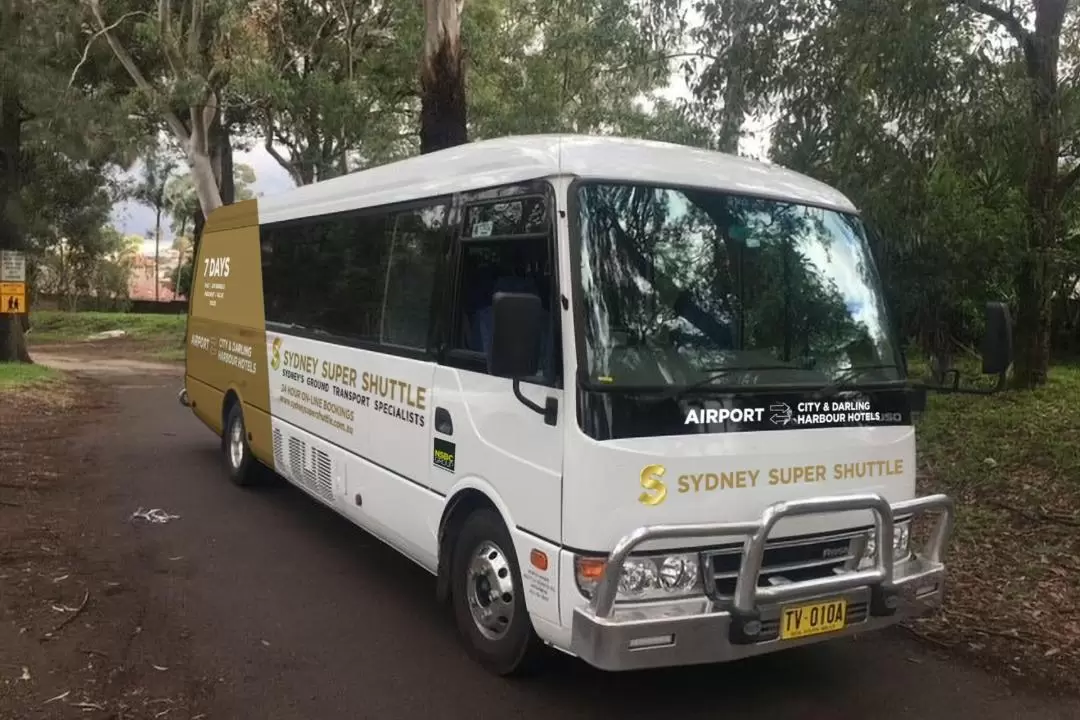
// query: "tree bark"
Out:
[1035,277]
[221,156]
[443,117]
[200,155]
[196,234]
[1045,192]
[157,253]
[12,337]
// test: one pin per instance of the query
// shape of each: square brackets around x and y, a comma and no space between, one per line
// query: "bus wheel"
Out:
[486,592]
[242,470]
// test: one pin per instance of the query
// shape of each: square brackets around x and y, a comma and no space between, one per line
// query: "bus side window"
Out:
[416,250]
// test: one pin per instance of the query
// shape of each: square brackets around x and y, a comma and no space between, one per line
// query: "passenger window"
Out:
[327,275]
[351,271]
[507,247]
[419,240]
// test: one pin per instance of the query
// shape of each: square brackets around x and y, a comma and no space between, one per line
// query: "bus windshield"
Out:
[680,285]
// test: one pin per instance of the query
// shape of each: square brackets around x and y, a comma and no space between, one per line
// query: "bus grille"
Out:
[784,561]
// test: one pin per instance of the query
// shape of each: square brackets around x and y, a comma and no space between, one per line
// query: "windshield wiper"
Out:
[715,374]
[846,378]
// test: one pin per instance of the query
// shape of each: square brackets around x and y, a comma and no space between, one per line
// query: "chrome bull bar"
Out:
[749,597]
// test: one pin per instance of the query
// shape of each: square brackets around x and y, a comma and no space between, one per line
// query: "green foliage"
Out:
[181,278]
[539,66]
[531,66]
[911,109]
[98,267]
[182,203]
[355,62]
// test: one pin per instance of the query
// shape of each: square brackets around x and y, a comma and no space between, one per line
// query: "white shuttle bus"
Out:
[635,401]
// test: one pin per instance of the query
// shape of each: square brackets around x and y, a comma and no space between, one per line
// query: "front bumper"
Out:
[700,631]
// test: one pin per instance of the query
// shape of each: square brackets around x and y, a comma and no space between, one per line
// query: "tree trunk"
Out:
[196,234]
[12,338]
[157,254]
[222,175]
[221,156]
[442,78]
[1035,281]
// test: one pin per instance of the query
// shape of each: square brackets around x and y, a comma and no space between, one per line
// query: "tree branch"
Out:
[171,119]
[286,165]
[95,36]
[165,27]
[1010,22]
[1067,181]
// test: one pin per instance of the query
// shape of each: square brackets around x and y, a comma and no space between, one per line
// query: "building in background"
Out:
[141,282]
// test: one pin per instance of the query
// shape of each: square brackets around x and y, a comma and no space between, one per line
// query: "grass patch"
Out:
[52,326]
[1012,463]
[21,375]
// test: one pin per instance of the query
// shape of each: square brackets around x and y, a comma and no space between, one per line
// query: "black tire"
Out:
[244,473]
[518,651]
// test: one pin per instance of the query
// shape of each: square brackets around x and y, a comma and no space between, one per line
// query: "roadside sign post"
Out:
[12,282]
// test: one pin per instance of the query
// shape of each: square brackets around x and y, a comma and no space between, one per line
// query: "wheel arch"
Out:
[464,499]
[228,400]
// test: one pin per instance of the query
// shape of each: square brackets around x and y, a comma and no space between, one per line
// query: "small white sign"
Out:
[12,266]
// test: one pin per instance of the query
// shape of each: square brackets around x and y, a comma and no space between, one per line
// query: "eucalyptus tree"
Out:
[443,109]
[58,139]
[910,106]
[332,85]
[571,66]
[180,58]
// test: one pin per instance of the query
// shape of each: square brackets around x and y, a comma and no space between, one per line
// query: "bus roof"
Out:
[488,163]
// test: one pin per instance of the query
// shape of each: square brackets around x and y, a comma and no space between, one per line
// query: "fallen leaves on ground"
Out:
[1012,464]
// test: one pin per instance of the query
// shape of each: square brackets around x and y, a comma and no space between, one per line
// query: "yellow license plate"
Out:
[813,619]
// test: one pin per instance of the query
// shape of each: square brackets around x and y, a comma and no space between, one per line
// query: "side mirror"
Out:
[996,351]
[997,347]
[515,346]
[515,335]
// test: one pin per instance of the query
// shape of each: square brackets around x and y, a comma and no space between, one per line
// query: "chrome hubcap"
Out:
[236,444]
[490,587]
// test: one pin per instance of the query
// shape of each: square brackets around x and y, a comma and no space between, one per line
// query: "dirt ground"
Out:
[76,639]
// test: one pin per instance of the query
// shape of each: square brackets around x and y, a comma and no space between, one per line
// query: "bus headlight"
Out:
[655,577]
[901,545]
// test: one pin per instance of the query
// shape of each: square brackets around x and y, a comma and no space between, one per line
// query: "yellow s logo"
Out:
[655,490]
[275,354]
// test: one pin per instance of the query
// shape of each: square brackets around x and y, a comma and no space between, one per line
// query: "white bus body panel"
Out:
[376,449]
[371,457]
[603,479]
